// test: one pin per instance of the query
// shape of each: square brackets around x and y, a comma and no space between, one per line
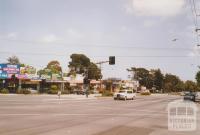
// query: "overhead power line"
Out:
[122,56]
[116,46]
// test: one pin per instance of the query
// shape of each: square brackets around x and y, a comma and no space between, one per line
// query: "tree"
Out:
[13,60]
[180,86]
[80,64]
[142,75]
[190,86]
[54,66]
[198,78]
[158,79]
[172,83]
[94,72]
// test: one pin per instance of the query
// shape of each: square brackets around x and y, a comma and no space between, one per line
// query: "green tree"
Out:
[53,67]
[190,85]
[94,72]
[198,78]
[180,86]
[13,60]
[80,64]
[158,79]
[172,83]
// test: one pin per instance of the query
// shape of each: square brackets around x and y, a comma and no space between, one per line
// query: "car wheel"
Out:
[125,98]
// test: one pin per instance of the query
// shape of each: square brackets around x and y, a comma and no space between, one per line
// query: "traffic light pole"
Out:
[100,66]
[111,62]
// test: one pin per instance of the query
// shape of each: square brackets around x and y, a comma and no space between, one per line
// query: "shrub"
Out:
[53,91]
[54,87]
[107,93]
[4,91]
[23,91]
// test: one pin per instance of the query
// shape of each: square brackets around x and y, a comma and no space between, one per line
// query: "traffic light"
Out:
[112,60]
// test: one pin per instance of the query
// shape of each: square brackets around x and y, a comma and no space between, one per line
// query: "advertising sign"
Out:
[27,70]
[7,70]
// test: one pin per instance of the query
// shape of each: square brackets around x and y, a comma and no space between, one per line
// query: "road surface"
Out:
[47,115]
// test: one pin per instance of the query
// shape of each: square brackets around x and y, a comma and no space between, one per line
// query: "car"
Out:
[197,97]
[124,94]
[189,96]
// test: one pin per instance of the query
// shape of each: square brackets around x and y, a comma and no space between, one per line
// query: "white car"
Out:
[124,94]
[197,96]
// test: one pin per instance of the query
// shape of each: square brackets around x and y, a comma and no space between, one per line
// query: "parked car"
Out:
[125,94]
[189,96]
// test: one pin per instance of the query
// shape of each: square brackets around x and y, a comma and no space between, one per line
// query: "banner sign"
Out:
[7,70]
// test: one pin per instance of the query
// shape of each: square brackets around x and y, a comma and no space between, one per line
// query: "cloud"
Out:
[124,29]
[149,23]
[12,36]
[50,38]
[74,34]
[159,8]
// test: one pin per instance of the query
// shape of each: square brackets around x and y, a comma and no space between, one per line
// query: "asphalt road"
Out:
[47,115]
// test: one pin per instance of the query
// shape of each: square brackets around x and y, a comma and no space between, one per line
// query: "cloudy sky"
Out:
[138,32]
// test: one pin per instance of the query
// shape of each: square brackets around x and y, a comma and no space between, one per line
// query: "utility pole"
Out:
[134,76]
[86,82]
[100,66]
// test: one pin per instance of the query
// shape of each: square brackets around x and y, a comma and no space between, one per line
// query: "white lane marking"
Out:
[69,99]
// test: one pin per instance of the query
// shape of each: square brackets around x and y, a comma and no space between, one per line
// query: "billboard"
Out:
[27,70]
[7,70]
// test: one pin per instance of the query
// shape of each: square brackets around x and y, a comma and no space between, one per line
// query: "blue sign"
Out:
[7,70]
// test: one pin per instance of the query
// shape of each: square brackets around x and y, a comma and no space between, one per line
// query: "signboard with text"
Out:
[7,70]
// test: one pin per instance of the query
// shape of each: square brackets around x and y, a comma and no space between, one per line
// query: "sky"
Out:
[139,33]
